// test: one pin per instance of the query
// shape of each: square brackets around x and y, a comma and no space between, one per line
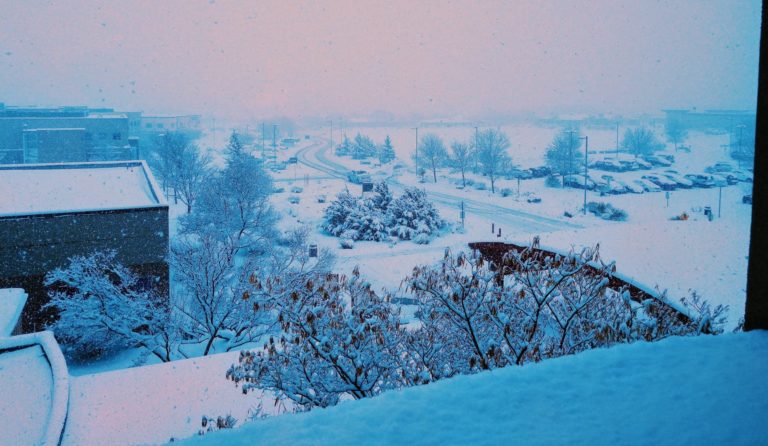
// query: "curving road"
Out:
[314,156]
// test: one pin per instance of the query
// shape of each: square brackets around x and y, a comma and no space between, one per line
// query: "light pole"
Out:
[416,157]
[586,166]
[570,155]
[741,133]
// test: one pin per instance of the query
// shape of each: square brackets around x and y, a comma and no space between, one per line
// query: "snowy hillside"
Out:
[701,390]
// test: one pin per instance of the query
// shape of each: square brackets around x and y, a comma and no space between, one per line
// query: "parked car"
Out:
[577,182]
[631,187]
[358,176]
[719,180]
[293,160]
[701,180]
[681,182]
[657,161]
[540,172]
[719,168]
[533,199]
[661,181]
[648,186]
[742,176]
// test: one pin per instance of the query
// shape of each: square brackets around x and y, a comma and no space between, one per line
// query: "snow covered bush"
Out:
[347,243]
[103,306]
[506,192]
[606,211]
[333,344]
[422,239]
[542,306]
[553,181]
[379,216]
[412,214]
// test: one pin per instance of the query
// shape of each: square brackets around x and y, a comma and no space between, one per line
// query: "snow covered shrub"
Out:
[479,185]
[211,425]
[335,342]
[377,217]
[553,181]
[104,306]
[422,239]
[347,243]
[506,192]
[606,211]
[411,214]
[543,306]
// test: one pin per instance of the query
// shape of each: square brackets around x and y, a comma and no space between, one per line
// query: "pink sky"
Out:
[450,58]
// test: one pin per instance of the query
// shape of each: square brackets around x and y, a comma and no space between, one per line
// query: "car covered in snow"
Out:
[701,180]
[577,182]
[660,180]
[647,185]
[358,176]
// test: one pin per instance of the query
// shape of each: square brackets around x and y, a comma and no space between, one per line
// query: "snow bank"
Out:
[696,390]
[32,368]
[152,404]
[12,301]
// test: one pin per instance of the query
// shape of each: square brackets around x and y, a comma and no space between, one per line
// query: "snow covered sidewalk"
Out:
[696,390]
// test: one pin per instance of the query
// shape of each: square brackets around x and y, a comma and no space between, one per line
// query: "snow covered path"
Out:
[700,390]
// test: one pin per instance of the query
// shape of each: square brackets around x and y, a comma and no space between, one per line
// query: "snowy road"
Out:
[314,156]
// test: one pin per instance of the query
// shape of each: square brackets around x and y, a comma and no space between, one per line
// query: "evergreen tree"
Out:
[386,152]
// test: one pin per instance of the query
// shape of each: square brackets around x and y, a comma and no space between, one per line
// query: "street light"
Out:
[417,151]
[586,164]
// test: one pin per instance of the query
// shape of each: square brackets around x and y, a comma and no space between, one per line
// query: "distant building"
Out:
[712,120]
[51,212]
[171,123]
[66,134]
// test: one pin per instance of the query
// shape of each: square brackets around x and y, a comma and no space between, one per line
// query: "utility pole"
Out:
[741,132]
[417,151]
[586,166]
[263,142]
[570,154]
[274,139]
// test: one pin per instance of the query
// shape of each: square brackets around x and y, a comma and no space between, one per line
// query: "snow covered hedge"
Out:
[408,217]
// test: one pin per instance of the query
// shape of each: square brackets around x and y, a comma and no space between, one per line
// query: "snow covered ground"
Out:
[695,390]
[677,256]
[152,404]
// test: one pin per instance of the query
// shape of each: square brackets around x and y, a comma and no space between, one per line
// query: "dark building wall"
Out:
[55,146]
[31,246]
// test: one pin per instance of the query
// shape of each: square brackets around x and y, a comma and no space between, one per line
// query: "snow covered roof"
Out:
[30,189]
[12,301]
[34,381]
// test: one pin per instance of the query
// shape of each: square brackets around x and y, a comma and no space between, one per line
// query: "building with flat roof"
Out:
[51,212]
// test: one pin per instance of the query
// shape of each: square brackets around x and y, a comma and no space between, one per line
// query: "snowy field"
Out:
[700,390]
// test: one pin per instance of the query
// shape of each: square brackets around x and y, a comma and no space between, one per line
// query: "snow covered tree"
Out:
[461,158]
[492,152]
[382,197]
[412,214]
[103,306]
[345,148]
[363,147]
[220,252]
[386,152]
[563,155]
[676,132]
[333,343]
[234,203]
[356,218]
[192,170]
[432,153]
[641,141]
